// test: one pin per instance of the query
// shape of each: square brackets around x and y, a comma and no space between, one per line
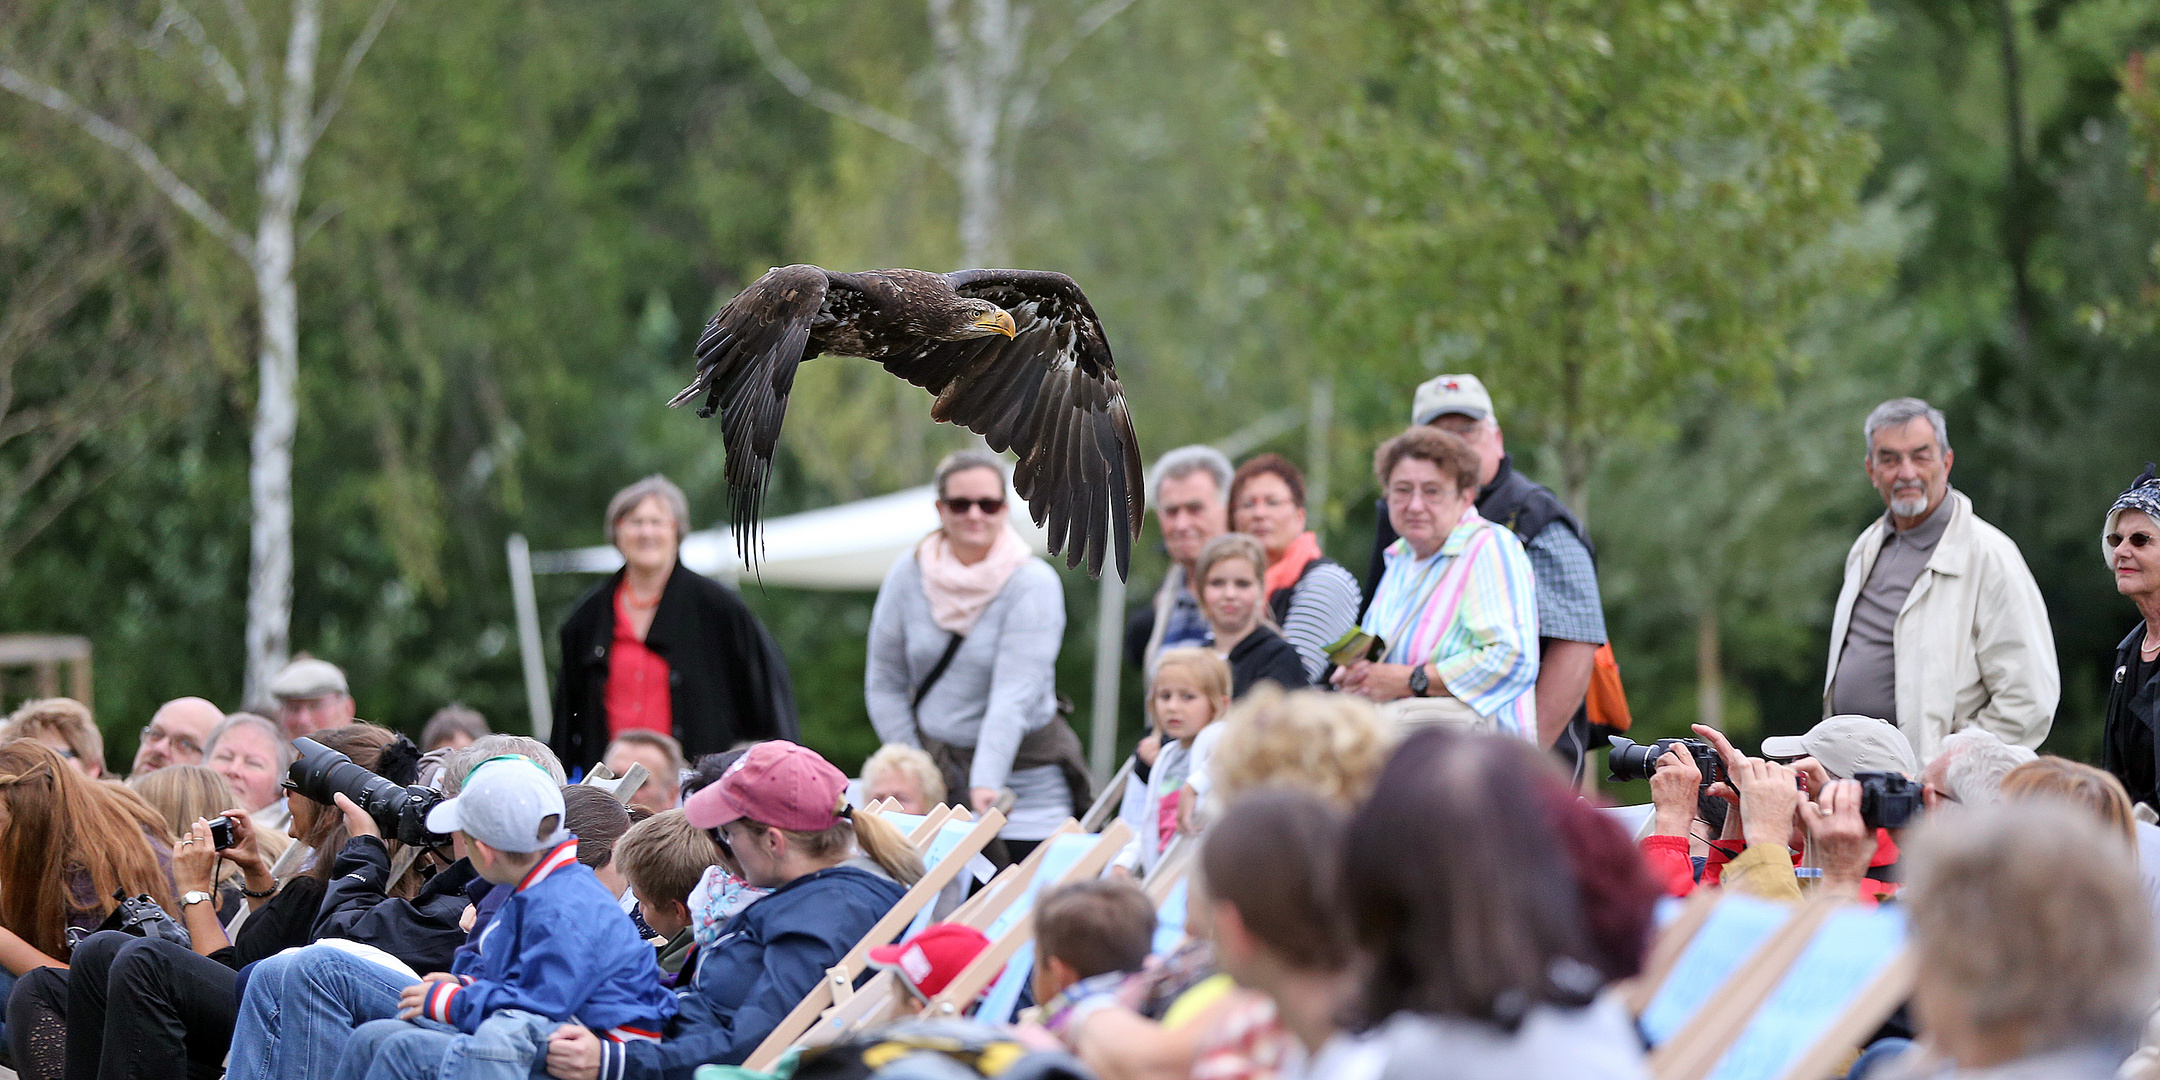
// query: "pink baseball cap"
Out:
[782,784]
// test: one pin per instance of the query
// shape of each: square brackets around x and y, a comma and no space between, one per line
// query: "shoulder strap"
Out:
[937,671]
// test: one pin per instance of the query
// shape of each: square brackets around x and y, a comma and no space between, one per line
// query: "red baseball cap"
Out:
[782,784]
[931,960]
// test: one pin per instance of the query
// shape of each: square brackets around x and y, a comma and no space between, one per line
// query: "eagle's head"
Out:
[979,318]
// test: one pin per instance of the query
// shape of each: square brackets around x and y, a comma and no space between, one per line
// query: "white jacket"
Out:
[1972,643]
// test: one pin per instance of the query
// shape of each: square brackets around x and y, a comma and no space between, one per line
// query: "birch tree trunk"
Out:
[284,123]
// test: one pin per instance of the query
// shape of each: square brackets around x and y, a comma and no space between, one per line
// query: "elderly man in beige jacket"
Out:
[1939,626]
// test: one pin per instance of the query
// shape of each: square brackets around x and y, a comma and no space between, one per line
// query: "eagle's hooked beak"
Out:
[999,321]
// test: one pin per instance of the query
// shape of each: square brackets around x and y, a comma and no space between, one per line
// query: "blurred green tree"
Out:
[1602,206]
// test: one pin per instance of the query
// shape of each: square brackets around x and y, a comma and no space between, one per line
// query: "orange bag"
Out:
[1607,699]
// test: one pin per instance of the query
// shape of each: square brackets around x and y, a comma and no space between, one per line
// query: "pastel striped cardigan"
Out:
[1471,611]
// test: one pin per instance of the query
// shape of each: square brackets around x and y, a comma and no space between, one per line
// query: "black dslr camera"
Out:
[1888,800]
[1634,761]
[400,812]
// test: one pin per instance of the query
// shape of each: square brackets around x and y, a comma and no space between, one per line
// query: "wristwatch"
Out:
[1420,683]
[196,896]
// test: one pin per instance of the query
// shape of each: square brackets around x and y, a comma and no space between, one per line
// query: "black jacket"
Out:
[422,931]
[2128,746]
[729,681]
[1264,655]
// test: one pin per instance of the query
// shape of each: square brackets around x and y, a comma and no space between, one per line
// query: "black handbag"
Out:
[140,916]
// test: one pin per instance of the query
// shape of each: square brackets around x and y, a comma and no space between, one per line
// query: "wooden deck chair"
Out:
[1740,987]
[839,981]
[1107,802]
[1018,928]
[883,998]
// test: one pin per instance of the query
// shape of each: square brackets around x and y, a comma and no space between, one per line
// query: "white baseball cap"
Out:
[506,803]
[1462,394]
[1847,745]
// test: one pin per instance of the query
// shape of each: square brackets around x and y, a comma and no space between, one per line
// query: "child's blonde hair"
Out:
[1209,673]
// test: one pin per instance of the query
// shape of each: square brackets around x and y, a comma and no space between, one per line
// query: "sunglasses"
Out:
[2137,540]
[960,506]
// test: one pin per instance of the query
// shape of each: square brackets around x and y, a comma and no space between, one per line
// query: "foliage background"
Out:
[526,212]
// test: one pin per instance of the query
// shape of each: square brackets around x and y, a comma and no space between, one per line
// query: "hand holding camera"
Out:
[377,806]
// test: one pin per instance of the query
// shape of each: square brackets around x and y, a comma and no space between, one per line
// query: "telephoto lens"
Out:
[400,812]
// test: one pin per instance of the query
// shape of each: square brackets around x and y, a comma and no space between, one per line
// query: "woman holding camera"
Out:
[150,1008]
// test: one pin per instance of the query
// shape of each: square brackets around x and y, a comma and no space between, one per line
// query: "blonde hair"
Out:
[878,839]
[1330,744]
[66,717]
[2074,784]
[1209,673]
[664,856]
[183,793]
[911,763]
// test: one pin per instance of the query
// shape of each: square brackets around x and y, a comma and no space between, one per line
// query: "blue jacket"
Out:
[562,947]
[768,957]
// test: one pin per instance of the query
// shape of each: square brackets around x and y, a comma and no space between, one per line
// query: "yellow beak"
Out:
[997,322]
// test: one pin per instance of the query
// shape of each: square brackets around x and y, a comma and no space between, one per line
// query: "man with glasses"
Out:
[1939,626]
[177,734]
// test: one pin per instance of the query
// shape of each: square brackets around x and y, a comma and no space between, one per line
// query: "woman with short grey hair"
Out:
[660,647]
[963,654]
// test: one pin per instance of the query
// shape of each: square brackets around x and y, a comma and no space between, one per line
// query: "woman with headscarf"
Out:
[2130,542]
[963,658]
[661,647]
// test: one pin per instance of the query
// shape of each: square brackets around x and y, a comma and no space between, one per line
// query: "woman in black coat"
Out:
[2131,542]
[663,648]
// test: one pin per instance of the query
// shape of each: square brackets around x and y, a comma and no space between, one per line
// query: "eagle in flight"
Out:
[1016,356]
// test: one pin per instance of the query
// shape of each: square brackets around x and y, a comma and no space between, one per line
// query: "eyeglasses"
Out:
[960,506]
[153,733]
[2137,540]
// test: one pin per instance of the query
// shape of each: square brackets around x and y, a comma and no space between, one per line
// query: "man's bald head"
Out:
[177,734]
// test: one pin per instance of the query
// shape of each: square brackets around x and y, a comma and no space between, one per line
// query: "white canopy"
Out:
[850,546]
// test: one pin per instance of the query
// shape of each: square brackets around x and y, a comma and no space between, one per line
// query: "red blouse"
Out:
[638,695]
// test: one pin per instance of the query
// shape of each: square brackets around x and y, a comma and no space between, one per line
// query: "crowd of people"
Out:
[1392,869]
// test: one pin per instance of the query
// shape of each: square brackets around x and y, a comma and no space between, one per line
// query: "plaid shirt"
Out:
[1470,610]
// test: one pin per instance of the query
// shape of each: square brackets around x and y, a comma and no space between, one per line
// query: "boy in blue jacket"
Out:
[558,949]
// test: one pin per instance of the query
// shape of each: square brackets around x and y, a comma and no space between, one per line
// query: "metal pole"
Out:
[1109,654]
[528,628]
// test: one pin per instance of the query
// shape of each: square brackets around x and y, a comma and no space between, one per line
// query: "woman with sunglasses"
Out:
[963,653]
[661,647]
[2130,541]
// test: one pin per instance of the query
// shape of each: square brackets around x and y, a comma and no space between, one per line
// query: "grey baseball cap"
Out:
[1463,394]
[1847,745]
[308,678]
[505,804]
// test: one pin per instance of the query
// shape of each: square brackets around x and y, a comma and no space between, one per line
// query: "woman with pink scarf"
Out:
[1313,600]
[963,650]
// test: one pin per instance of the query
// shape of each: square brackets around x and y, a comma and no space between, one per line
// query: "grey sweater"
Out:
[1000,685]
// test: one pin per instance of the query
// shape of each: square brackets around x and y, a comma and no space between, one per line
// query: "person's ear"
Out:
[1949,459]
[1226,929]
[679,911]
[1062,974]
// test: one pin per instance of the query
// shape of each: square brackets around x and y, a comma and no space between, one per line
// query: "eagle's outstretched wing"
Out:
[1050,395]
[746,362]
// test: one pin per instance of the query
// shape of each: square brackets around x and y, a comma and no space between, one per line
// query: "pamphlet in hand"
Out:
[1354,646]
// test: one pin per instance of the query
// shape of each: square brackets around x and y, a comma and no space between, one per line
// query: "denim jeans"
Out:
[7,986]
[510,1045]
[300,1009]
